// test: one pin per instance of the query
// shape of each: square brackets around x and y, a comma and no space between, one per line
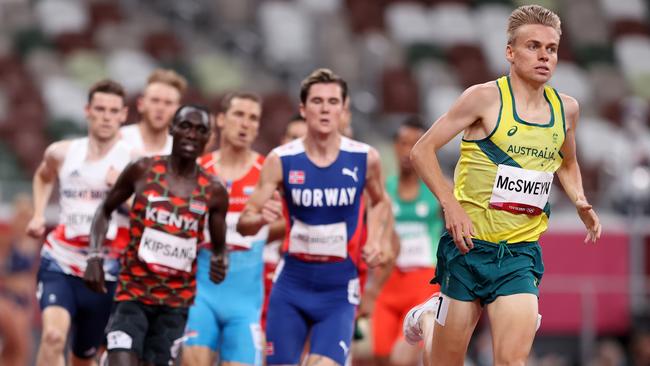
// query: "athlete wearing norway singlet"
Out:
[419,225]
[503,183]
[317,285]
[226,317]
[82,186]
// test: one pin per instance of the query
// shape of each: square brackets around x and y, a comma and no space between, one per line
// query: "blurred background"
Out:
[400,57]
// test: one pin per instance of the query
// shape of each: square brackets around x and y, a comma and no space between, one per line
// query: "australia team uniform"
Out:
[82,187]
[226,316]
[156,283]
[503,182]
[317,284]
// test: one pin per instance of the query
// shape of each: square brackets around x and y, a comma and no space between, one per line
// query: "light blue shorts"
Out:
[226,317]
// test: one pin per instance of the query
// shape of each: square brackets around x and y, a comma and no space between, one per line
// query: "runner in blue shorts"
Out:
[85,169]
[321,178]
[225,317]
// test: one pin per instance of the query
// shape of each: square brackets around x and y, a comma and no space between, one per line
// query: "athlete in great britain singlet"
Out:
[85,169]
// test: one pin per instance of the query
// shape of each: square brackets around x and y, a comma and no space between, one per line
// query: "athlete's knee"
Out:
[53,339]
[78,361]
[513,362]
[510,357]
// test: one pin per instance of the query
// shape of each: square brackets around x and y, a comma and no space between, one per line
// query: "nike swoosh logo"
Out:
[157,199]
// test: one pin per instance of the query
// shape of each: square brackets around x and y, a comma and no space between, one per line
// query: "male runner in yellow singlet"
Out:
[517,132]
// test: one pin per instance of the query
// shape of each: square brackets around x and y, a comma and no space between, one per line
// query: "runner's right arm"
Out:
[123,189]
[468,110]
[260,208]
[43,184]
[217,208]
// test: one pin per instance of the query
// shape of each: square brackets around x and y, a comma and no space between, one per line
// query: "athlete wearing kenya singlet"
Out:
[156,282]
[158,264]
[504,180]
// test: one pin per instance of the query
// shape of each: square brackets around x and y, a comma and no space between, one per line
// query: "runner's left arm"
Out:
[217,208]
[376,250]
[261,209]
[123,189]
[569,172]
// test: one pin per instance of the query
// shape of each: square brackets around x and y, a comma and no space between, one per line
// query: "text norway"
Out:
[168,218]
[526,186]
[314,197]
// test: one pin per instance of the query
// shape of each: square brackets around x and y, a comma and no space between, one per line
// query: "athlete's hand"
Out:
[372,254]
[94,275]
[590,219]
[218,268]
[272,209]
[459,226]
[36,227]
[367,304]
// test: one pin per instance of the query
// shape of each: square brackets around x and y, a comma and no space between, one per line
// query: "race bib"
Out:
[77,224]
[157,247]
[415,245]
[236,241]
[329,240]
[521,191]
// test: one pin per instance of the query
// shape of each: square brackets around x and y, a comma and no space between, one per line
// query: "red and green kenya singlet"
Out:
[159,265]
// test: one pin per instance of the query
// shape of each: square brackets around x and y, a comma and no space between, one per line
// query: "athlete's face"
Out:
[157,105]
[295,130]
[404,141]
[105,113]
[323,109]
[533,52]
[191,131]
[240,124]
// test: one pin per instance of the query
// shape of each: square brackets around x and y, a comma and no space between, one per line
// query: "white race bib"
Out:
[415,245]
[329,240]
[236,241]
[157,247]
[77,224]
[521,191]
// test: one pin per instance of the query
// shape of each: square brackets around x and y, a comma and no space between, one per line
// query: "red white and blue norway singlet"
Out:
[323,205]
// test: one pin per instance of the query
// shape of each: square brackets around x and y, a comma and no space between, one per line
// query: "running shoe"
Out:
[411,326]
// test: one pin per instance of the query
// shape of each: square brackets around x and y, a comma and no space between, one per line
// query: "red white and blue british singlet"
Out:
[82,187]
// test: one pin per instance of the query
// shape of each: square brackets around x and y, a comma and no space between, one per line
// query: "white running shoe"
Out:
[411,325]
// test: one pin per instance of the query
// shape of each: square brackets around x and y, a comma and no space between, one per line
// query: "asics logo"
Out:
[351,173]
[512,131]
